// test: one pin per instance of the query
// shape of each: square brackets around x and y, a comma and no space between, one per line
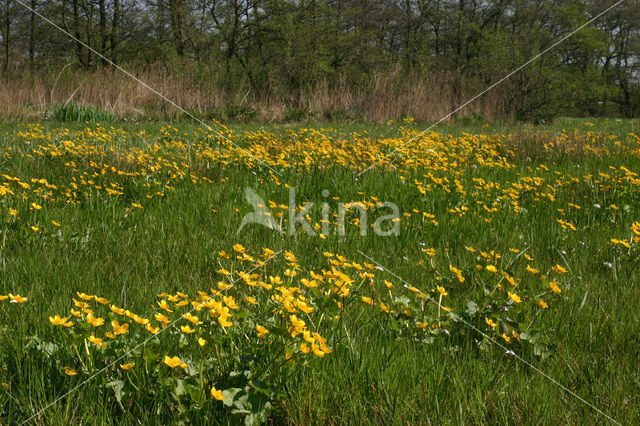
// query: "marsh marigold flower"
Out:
[69,371]
[262,331]
[217,394]
[490,322]
[514,297]
[174,362]
[17,298]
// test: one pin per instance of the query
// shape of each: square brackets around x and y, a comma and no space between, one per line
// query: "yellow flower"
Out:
[324,348]
[230,302]
[17,298]
[224,321]
[174,362]
[94,321]
[304,307]
[532,270]
[95,340]
[559,269]
[262,331]
[457,272]
[36,206]
[429,251]
[542,304]
[309,283]
[151,329]
[118,328]
[116,310]
[216,393]
[491,268]
[305,348]
[514,297]
[192,318]
[186,329]
[201,341]
[13,212]
[510,279]
[554,287]
[81,305]
[127,366]
[55,223]
[506,338]
[442,291]
[316,350]
[35,228]
[368,300]
[164,305]
[84,296]
[69,371]
[239,248]
[56,320]
[490,322]
[162,318]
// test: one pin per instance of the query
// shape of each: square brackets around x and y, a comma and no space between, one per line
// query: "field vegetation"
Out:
[128,293]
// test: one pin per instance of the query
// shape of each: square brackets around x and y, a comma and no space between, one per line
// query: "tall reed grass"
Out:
[388,96]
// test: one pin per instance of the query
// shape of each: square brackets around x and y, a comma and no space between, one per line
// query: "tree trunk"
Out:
[32,33]
[103,31]
[176,14]
[115,29]
[76,31]
[7,34]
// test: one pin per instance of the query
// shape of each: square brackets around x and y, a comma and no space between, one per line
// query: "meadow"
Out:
[129,294]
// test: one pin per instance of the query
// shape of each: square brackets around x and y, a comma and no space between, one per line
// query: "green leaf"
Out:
[195,393]
[230,395]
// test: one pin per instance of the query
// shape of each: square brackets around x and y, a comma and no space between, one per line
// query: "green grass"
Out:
[81,114]
[377,373]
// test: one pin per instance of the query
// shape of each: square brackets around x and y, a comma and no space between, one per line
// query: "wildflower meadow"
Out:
[344,274]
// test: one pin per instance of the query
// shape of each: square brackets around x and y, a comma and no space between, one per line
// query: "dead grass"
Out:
[28,96]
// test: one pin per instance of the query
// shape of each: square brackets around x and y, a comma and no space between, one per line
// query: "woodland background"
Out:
[281,60]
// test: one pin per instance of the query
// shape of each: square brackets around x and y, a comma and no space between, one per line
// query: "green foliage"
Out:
[286,52]
[81,114]
[383,369]
[236,113]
